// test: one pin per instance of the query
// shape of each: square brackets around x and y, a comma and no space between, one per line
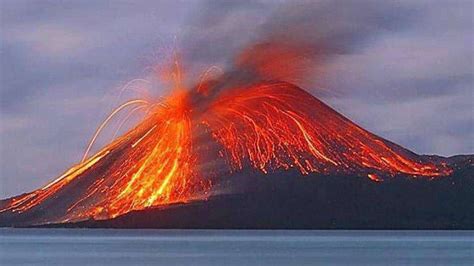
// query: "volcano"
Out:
[265,155]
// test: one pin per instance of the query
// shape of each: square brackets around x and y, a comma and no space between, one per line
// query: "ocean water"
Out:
[234,247]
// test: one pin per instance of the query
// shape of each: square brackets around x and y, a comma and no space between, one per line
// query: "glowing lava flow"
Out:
[277,125]
[165,172]
[157,167]
[268,126]
[151,165]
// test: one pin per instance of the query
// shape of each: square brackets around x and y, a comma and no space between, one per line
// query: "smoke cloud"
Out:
[292,42]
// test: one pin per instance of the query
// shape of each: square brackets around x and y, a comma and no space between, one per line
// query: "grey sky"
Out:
[402,70]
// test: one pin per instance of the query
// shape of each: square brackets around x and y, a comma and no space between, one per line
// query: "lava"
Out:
[277,125]
[267,125]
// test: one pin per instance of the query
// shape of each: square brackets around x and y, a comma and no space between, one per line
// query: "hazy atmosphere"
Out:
[402,70]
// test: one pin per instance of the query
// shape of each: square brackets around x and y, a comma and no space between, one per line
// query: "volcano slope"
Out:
[268,155]
[292,201]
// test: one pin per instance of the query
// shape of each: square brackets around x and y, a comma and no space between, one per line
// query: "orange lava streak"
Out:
[161,175]
[37,197]
[374,177]
[277,125]
[126,118]
[106,121]
[158,167]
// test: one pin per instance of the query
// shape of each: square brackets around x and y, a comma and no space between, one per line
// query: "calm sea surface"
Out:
[234,247]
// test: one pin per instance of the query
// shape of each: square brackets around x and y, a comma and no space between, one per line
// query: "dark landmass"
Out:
[284,201]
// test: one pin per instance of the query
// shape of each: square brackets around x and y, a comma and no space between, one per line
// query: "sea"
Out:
[234,247]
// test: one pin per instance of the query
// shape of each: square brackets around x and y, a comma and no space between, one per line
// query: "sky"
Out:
[403,70]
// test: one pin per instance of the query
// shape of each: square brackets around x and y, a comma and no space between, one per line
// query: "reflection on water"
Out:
[233,247]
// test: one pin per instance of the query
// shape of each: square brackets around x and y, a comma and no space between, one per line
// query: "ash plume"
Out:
[286,41]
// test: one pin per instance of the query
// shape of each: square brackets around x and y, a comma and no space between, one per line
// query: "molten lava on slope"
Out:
[184,146]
